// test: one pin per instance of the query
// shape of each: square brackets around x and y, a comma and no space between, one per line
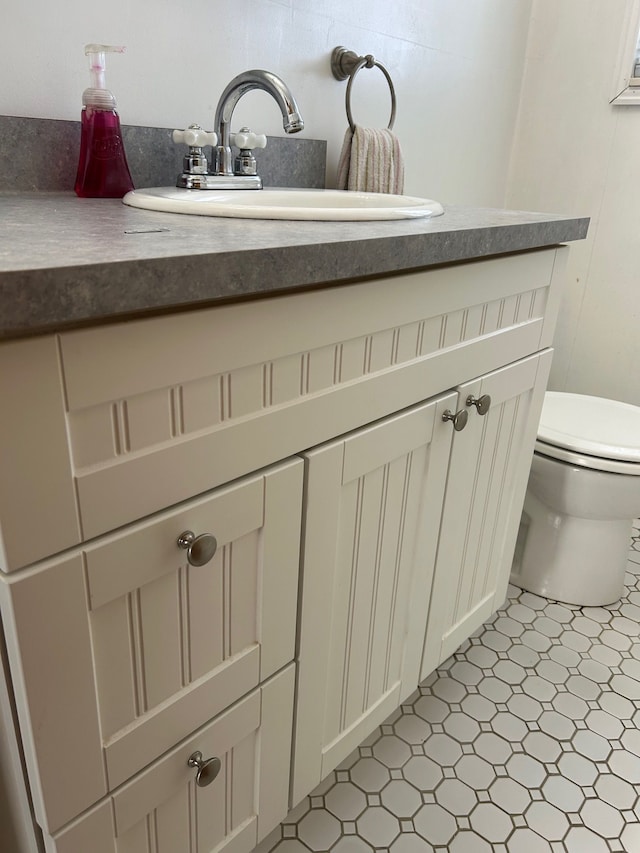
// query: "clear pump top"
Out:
[97,95]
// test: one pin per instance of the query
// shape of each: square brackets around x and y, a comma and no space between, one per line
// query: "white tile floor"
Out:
[527,740]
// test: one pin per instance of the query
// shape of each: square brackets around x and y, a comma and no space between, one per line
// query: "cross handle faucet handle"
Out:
[195,137]
[247,140]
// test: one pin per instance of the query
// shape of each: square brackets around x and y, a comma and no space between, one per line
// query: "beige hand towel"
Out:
[371,161]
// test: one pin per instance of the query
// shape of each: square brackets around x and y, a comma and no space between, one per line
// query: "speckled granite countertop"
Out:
[67,261]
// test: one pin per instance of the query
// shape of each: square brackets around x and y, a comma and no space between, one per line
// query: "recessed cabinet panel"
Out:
[490,461]
[160,646]
[371,529]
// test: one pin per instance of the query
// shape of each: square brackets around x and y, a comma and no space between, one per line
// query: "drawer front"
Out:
[164,809]
[135,647]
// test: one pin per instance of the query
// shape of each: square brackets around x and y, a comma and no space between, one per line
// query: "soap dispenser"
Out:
[103,171]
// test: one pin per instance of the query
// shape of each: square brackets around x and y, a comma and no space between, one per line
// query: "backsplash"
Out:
[41,155]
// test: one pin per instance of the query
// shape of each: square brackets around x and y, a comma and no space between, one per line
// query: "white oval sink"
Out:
[275,203]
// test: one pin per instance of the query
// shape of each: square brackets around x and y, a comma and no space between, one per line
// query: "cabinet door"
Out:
[373,507]
[163,810]
[118,652]
[490,462]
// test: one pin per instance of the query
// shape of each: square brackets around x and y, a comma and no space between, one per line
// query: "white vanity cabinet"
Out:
[306,432]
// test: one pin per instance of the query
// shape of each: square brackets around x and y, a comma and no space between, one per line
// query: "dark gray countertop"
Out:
[67,261]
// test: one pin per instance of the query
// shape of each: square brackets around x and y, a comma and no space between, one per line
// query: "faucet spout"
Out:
[291,119]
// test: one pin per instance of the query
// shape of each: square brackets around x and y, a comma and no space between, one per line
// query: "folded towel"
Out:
[371,161]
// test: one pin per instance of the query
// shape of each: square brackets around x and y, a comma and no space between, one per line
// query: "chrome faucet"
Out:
[291,119]
[224,175]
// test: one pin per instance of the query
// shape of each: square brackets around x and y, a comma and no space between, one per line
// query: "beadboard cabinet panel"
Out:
[372,517]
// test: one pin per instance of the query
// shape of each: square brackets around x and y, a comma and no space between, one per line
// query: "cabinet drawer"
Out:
[134,647]
[142,415]
[163,809]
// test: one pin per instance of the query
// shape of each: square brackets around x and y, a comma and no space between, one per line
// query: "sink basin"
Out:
[275,203]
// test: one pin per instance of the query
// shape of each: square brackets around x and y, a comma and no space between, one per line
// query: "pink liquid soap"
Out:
[102,168]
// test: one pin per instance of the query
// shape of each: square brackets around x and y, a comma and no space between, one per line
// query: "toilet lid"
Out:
[593,426]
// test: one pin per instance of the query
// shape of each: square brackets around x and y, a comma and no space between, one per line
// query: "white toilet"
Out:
[582,497]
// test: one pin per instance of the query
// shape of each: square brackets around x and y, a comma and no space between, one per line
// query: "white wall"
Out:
[575,153]
[457,68]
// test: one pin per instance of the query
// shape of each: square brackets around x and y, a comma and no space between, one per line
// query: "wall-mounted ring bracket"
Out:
[346,64]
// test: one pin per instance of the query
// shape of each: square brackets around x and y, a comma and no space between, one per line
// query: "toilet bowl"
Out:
[582,496]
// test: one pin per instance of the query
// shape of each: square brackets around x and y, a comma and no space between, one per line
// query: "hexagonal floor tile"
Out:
[369,775]
[412,728]
[432,822]
[547,820]
[345,801]
[580,839]
[391,751]
[401,798]
[591,745]
[423,773]
[444,750]
[456,797]
[578,769]
[491,823]
[461,727]
[617,792]
[493,748]
[378,826]
[475,771]
[481,709]
[604,724]
[563,793]
[319,829]
[603,819]
[542,746]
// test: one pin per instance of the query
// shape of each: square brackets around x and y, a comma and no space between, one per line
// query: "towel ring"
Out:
[345,63]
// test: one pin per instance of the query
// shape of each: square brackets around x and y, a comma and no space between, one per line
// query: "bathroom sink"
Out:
[275,203]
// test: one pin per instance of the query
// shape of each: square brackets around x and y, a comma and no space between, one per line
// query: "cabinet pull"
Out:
[459,420]
[200,549]
[208,768]
[481,403]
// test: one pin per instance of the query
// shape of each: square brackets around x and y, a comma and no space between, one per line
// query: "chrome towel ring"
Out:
[346,63]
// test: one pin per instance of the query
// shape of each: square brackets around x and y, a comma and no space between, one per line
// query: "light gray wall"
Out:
[576,153]
[457,69]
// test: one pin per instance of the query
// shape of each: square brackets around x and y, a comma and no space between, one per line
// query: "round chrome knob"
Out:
[208,768]
[200,549]
[459,419]
[481,403]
